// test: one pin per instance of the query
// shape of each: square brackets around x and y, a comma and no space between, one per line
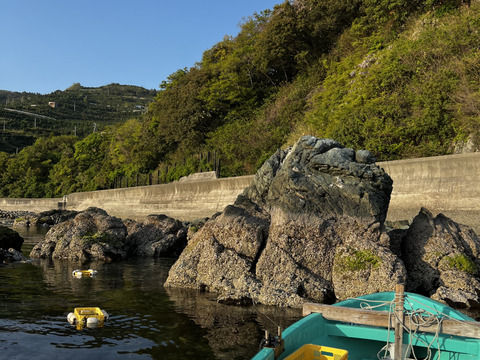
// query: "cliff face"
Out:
[308,228]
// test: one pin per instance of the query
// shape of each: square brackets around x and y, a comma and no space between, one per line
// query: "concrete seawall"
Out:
[181,200]
[448,184]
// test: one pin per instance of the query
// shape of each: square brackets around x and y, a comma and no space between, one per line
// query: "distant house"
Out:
[138,108]
[52,104]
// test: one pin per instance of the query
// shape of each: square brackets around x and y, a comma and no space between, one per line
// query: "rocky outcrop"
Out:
[10,245]
[45,218]
[11,255]
[308,228]
[156,236]
[10,239]
[12,215]
[442,260]
[94,235]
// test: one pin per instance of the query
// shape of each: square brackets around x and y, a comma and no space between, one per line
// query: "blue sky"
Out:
[48,45]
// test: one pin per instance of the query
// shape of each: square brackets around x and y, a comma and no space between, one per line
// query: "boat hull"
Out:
[372,342]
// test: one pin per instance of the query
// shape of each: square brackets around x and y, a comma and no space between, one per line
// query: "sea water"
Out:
[146,320]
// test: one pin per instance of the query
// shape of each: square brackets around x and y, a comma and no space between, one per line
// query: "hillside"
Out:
[77,110]
[399,78]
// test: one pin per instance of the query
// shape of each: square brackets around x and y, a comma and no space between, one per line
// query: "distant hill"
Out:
[77,110]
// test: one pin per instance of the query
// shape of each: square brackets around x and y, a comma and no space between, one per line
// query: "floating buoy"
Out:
[92,322]
[72,319]
[80,273]
[90,317]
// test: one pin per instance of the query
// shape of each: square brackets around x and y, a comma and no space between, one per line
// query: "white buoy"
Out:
[72,319]
[92,322]
[105,314]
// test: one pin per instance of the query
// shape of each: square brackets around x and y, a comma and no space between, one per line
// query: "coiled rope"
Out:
[419,318]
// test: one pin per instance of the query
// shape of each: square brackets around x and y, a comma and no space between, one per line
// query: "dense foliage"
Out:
[397,77]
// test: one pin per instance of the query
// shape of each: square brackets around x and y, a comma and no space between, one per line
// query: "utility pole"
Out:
[94,127]
[74,106]
[4,122]
[35,123]
[75,131]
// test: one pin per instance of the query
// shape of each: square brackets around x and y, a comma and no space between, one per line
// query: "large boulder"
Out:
[94,235]
[10,245]
[91,234]
[308,228]
[156,236]
[10,239]
[442,260]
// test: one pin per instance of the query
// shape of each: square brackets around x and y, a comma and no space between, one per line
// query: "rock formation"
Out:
[94,235]
[10,245]
[442,260]
[308,228]
[10,239]
[156,236]
[45,218]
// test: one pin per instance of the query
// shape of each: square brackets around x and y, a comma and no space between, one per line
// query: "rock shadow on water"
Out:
[233,332]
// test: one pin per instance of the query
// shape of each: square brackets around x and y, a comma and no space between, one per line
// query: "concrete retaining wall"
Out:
[181,200]
[448,184]
[33,205]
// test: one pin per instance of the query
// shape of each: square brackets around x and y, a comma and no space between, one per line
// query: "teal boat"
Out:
[372,327]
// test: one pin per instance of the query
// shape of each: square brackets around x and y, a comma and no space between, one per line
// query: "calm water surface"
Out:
[147,321]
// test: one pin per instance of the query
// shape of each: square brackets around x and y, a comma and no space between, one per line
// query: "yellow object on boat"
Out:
[80,273]
[91,317]
[317,352]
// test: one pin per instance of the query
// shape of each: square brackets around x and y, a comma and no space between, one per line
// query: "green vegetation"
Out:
[462,263]
[400,78]
[77,111]
[358,260]
[98,238]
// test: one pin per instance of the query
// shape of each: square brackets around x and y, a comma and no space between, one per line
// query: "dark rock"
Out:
[45,218]
[13,214]
[320,176]
[308,228]
[442,259]
[53,217]
[10,239]
[158,235]
[10,255]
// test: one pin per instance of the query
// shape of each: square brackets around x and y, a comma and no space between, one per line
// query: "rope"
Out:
[254,303]
[418,318]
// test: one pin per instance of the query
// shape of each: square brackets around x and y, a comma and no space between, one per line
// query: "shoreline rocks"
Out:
[10,245]
[94,235]
[442,260]
[309,226]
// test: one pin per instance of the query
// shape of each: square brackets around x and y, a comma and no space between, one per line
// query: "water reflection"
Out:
[232,332]
[146,320]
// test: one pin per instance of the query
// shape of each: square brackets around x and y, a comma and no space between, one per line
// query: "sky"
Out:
[48,45]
